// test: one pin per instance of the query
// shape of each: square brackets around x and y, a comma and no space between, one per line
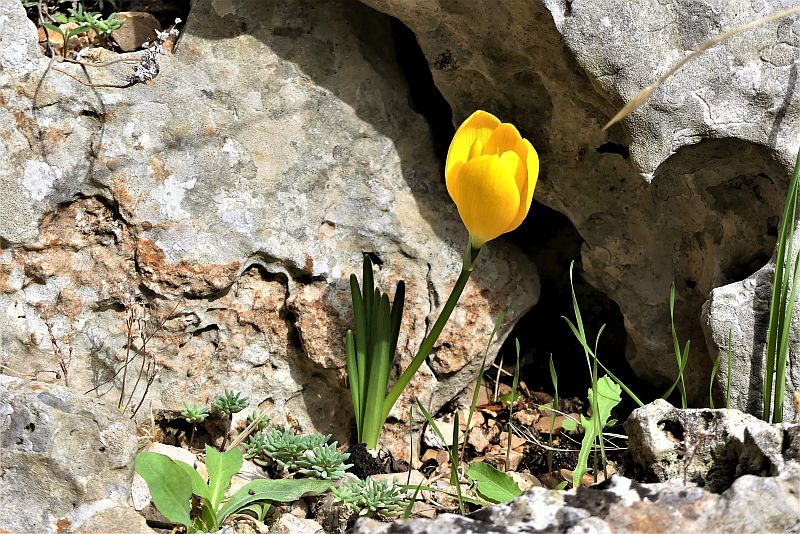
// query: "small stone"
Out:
[290,524]
[137,28]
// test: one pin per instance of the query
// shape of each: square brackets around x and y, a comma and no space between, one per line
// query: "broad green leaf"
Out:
[282,490]
[493,485]
[170,487]
[199,486]
[221,468]
[608,396]
[569,425]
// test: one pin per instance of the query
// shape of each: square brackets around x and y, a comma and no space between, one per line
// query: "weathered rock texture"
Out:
[688,188]
[738,315]
[66,461]
[226,203]
[624,506]
[709,448]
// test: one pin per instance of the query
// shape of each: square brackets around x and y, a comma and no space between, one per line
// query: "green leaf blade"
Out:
[277,490]
[170,487]
[493,484]
[222,466]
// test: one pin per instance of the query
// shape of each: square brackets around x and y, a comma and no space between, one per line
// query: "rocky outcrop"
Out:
[623,506]
[709,448]
[219,210]
[743,475]
[689,188]
[66,462]
[736,320]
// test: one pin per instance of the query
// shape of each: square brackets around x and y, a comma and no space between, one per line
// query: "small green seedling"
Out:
[194,413]
[324,461]
[680,357]
[372,497]
[228,404]
[602,400]
[66,36]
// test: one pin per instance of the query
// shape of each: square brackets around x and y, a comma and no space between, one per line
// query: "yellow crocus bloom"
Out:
[491,173]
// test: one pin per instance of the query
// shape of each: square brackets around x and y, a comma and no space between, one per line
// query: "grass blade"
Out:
[379,368]
[500,320]
[352,374]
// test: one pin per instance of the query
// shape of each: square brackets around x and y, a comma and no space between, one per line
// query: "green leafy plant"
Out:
[371,351]
[603,397]
[324,461]
[283,448]
[492,484]
[372,497]
[228,404]
[172,484]
[194,413]
[579,332]
[93,20]
[66,36]
[781,309]
[258,419]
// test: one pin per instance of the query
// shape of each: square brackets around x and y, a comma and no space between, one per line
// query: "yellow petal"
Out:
[485,192]
[526,190]
[478,126]
[505,137]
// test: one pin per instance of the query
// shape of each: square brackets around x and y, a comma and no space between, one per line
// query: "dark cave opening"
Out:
[552,242]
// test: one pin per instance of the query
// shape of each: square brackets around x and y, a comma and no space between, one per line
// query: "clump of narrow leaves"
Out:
[194,413]
[371,497]
[324,461]
[230,403]
[281,447]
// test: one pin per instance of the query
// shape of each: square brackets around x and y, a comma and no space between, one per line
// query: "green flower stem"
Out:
[470,256]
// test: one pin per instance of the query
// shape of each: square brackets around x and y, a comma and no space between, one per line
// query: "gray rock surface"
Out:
[625,506]
[741,310]
[688,188]
[225,204]
[709,448]
[66,462]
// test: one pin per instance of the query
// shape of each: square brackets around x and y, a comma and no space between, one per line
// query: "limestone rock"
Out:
[67,461]
[220,210]
[739,312]
[709,448]
[624,506]
[687,189]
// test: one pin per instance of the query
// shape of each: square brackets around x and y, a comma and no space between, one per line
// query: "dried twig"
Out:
[645,93]
[64,359]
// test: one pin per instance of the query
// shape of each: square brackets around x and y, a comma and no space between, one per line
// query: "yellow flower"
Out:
[491,173]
